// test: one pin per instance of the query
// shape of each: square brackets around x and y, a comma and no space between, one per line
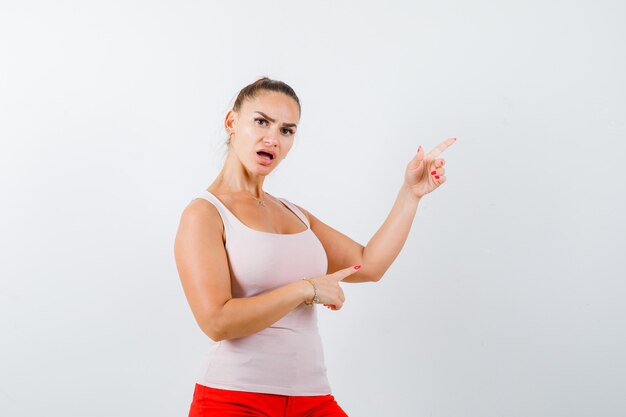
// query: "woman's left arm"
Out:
[423,174]
[384,247]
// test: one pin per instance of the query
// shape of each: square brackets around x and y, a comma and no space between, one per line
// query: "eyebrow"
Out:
[273,120]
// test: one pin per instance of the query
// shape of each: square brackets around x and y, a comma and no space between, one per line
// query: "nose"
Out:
[270,140]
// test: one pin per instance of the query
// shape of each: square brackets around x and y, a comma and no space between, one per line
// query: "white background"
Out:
[508,297]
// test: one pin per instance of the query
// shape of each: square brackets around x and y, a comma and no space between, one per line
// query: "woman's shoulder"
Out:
[299,207]
[202,214]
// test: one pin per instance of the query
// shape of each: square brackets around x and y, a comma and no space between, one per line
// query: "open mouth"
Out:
[265,155]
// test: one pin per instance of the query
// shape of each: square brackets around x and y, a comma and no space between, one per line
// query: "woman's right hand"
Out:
[329,292]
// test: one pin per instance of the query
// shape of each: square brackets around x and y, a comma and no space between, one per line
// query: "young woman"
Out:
[254,266]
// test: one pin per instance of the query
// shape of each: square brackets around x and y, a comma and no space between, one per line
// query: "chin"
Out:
[263,170]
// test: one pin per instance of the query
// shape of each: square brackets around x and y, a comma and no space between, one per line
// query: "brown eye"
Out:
[288,131]
[258,119]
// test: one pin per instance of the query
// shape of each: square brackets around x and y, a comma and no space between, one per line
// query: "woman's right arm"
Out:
[203,269]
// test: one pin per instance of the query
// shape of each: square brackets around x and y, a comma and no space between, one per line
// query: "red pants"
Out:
[215,402]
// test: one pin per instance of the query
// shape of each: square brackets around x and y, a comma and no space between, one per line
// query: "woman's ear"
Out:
[230,121]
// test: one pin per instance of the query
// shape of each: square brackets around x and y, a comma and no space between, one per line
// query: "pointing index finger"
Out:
[440,148]
[348,271]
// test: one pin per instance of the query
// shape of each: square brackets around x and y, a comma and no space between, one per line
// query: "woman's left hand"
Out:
[424,173]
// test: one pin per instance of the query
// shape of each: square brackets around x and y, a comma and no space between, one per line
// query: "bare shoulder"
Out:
[202,214]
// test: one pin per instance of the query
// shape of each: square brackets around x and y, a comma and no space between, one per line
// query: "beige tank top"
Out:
[287,357]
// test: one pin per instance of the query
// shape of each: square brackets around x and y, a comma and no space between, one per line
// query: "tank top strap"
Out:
[228,219]
[296,210]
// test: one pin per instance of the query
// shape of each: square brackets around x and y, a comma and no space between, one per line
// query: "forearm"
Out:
[241,317]
[385,245]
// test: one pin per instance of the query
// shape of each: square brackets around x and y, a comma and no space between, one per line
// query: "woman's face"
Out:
[267,122]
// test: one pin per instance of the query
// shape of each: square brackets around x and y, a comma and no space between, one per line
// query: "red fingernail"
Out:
[433,173]
[436,177]
[357,267]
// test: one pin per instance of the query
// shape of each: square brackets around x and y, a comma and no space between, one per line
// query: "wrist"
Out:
[310,292]
[409,195]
